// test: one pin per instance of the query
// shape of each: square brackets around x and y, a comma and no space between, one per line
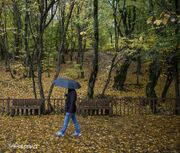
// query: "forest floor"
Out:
[127,134]
[130,134]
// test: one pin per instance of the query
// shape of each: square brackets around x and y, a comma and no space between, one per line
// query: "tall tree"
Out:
[80,43]
[154,73]
[94,70]
[165,47]
[128,19]
[18,27]
[44,7]
[60,50]
[4,46]
[2,34]
[114,6]
[29,58]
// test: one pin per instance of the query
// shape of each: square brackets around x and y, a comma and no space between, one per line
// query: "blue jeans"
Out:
[66,121]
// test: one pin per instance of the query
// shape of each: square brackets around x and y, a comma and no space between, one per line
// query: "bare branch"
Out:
[52,16]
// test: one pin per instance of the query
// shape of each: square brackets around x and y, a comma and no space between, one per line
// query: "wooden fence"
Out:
[121,106]
[132,106]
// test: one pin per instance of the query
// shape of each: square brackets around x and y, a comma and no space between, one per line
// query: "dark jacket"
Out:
[71,97]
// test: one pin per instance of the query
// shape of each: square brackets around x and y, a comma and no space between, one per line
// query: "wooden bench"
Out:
[95,107]
[26,107]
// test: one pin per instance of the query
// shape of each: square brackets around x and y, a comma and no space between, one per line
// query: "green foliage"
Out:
[155,28]
[163,35]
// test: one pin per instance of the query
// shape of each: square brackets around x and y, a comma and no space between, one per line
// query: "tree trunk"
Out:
[18,25]
[177,62]
[62,28]
[72,42]
[177,83]
[40,51]
[44,19]
[116,47]
[177,6]
[5,41]
[138,67]
[169,79]
[2,49]
[29,59]
[94,71]
[26,43]
[39,67]
[121,74]
[109,75]
[128,16]
[82,57]
[80,46]
[154,73]
[33,77]
[59,55]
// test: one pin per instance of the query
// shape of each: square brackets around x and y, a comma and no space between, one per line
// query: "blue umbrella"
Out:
[67,83]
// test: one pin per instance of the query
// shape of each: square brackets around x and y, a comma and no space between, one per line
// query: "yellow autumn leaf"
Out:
[157,22]
[165,20]
[149,20]
[141,38]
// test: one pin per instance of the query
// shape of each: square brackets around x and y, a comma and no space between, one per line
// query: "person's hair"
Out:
[69,89]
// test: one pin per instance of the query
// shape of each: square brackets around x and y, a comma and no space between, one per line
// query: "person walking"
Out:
[70,109]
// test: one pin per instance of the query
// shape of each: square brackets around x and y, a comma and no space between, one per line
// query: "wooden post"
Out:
[110,110]
[120,108]
[16,111]
[12,112]
[20,112]
[54,106]
[33,111]
[8,106]
[29,111]
[124,111]
[39,111]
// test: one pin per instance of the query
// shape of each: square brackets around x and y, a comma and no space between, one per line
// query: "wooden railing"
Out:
[120,106]
[132,106]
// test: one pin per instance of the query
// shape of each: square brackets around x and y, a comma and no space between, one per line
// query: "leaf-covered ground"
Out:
[22,88]
[131,134]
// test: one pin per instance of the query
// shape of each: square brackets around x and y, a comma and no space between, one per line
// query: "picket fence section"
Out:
[120,106]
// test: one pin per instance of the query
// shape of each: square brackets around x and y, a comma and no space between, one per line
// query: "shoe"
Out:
[59,134]
[76,134]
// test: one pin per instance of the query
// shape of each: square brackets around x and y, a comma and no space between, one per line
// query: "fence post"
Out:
[8,106]
[153,106]
[111,109]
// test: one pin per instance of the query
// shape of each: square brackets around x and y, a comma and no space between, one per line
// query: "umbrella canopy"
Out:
[67,83]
